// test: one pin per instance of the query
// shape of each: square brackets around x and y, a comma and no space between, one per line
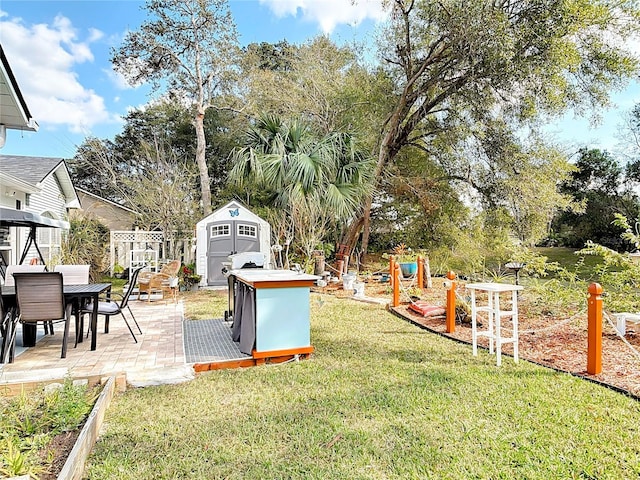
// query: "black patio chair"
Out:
[109,307]
[7,331]
[40,299]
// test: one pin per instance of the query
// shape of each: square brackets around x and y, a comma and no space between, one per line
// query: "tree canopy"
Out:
[457,64]
[192,46]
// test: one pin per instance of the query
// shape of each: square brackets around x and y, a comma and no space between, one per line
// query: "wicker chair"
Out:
[149,282]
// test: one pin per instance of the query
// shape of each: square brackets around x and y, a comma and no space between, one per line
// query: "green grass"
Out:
[567,258]
[30,421]
[380,399]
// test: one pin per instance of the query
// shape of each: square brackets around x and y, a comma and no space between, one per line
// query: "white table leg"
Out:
[497,331]
[491,319]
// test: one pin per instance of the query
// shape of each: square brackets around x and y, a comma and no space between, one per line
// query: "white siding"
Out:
[49,202]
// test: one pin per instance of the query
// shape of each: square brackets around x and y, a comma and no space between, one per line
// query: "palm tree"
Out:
[315,181]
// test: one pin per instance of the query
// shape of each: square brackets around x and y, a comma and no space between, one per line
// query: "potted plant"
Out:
[190,279]
[407,259]
[118,270]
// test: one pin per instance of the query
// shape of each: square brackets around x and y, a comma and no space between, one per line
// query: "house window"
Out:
[223,230]
[5,241]
[18,205]
[27,199]
[247,231]
[49,240]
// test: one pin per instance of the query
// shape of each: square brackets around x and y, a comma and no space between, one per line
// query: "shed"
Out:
[230,229]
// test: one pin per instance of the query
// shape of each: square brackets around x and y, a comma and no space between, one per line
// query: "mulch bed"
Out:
[552,340]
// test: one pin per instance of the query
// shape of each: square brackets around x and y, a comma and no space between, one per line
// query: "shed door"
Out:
[219,248]
[226,238]
[247,237]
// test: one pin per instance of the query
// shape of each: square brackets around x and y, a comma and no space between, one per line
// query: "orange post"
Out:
[396,285]
[451,302]
[420,273]
[594,333]
[392,269]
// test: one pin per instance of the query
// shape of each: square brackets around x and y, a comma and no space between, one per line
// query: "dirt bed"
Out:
[553,340]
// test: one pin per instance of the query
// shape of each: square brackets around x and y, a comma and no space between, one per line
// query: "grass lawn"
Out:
[379,399]
[567,258]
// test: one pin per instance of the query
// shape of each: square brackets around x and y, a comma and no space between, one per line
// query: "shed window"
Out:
[223,230]
[247,230]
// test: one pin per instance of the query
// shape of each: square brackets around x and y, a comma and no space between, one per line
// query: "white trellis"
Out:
[136,248]
[150,249]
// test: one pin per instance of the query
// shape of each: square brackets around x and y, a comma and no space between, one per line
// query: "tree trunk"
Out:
[201,160]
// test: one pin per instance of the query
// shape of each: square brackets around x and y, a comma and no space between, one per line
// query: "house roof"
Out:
[28,173]
[14,112]
[109,202]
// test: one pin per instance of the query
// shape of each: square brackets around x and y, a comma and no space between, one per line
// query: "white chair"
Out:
[11,269]
[73,274]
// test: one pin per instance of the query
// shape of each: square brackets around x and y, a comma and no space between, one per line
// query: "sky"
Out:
[59,53]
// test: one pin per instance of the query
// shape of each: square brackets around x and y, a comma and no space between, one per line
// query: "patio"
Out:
[158,357]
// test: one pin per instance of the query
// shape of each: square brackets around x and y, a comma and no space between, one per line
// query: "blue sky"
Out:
[59,53]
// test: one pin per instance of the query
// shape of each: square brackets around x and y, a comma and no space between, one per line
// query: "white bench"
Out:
[623,318]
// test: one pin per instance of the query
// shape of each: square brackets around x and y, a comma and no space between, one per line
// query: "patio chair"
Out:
[7,331]
[73,274]
[150,282]
[40,299]
[11,269]
[109,307]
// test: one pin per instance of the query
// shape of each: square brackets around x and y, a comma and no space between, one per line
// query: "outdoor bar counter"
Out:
[271,312]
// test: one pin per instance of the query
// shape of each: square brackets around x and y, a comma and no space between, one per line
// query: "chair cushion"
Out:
[104,308]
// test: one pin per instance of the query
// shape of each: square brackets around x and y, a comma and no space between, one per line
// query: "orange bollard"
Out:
[420,273]
[451,302]
[392,269]
[396,286]
[594,333]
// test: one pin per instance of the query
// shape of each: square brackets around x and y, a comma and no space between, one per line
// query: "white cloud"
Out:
[329,13]
[43,58]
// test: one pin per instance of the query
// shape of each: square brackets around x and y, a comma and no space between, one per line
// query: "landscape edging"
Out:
[73,468]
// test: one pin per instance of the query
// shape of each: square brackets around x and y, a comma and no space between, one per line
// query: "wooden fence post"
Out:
[396,285]
[451,302]
[420,272]
[594,333]
[392,269]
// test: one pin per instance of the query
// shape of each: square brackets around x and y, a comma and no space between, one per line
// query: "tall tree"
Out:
[317,180]
[191,45]
[599,183]
[460,62]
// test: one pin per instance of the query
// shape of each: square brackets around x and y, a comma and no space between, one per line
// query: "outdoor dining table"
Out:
[72,293]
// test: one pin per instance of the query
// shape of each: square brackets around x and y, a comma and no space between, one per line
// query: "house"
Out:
[110,214]
[14,112]
[40,186]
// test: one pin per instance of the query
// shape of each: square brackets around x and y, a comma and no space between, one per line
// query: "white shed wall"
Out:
[222,215]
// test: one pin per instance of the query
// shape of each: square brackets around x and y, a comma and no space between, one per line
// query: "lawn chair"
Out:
[162,281]
[73,274]
[7,332]
[109,307]
[11,269]
[40,299]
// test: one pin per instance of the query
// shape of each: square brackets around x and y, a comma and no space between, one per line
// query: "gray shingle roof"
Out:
[28,169]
